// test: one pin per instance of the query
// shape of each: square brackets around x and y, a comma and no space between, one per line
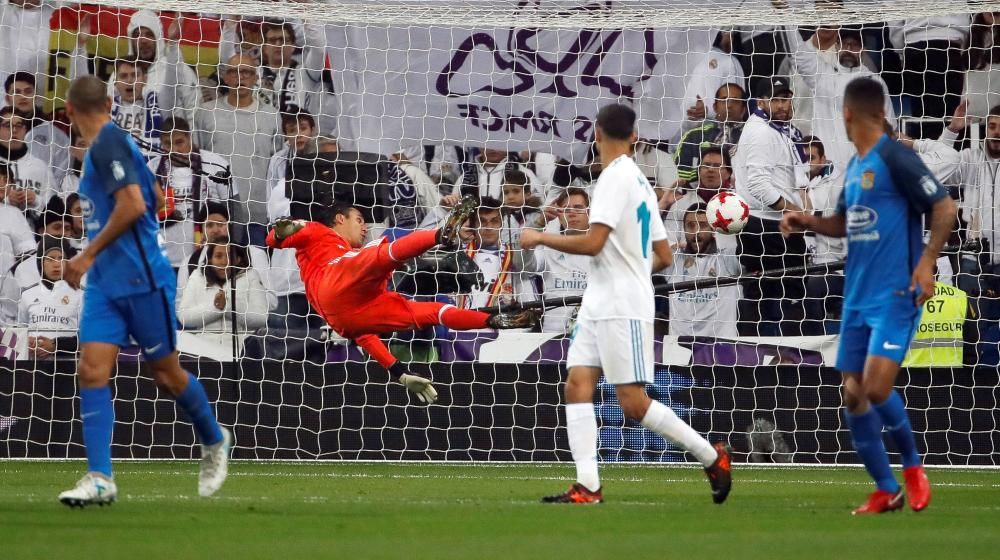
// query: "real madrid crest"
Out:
[868,180]
[65,300]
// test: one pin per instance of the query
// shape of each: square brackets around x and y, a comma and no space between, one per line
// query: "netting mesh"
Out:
[247,112]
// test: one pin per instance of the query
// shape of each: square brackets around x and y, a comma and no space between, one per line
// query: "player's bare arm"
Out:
[662,255]
[943,215]
[589,243]
[129,207]
[799,221]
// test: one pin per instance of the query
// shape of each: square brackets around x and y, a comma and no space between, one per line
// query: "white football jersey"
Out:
[51,312]
[710,311]
[620,285]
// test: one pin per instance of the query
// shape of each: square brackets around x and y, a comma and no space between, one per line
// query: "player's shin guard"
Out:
[463,319]
[897,423]
[194,402]
[661,420]
[581,427]
[412,245]
[866,431]
[98,416]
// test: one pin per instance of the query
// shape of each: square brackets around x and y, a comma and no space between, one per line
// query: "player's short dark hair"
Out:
[88,94]
[617,121]
[814,141]
[865,96]
[175,124]
[215,207]
[336,209]
[22,76]
[696,208]
[514,176]
[293,117]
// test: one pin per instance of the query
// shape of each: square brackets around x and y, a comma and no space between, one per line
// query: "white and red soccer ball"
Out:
[728,212]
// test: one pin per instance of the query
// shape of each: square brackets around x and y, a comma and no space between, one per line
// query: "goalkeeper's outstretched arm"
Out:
[589,243]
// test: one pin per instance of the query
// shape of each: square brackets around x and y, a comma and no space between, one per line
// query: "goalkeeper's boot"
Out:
[525,319]
[918,488]
[214,465]
[577,494]
[286,227]
[92,489]
[447,234]
[720,474]
[881,501]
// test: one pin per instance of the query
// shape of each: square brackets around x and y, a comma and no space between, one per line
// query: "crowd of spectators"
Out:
[761,117]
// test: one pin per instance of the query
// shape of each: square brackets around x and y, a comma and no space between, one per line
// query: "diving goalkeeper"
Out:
[347,283]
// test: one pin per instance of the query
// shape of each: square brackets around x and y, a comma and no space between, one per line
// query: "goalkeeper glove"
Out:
[419,386]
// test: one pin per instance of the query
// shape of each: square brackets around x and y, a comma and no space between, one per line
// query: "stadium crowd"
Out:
[762,117]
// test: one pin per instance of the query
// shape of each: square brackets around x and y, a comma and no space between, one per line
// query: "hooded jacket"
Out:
[173,82]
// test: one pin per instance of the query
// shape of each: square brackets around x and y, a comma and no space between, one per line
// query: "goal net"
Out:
[247,111]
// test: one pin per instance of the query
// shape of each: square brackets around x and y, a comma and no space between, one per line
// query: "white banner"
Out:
[509,88]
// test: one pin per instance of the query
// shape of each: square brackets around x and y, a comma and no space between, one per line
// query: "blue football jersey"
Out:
[134,263]
[885,196]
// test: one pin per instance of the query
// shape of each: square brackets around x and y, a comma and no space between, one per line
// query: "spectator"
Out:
[982,82]
[133,109]
[45,140]
[977,179]
[770,169]
[239,125]
[70,182]
[24,43]
[291,84]
[299,131]
[709,311]
[414,194]
[655,163]
[482,175]
[563,274]
[206,303]
[54,222]
[51,309]
[827,77]
[932,58]
[517,214]
[34,181]
[173,82]
[713,70]
[824,291]
[714,174]
[190,178]
[215,229]
[496,259]
[13,224]
[730,112]
[77,230]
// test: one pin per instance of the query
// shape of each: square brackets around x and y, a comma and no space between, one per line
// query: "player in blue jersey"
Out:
[889,275]
[129,292]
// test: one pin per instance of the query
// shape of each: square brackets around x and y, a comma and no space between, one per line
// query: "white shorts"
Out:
[623,348]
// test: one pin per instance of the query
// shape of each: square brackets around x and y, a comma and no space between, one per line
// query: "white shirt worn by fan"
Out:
[709,311]
[619,286]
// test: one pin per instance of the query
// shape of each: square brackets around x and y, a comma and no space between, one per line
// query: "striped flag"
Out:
[12,342]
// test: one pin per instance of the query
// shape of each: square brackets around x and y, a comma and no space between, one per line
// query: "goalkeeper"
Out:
[346,283]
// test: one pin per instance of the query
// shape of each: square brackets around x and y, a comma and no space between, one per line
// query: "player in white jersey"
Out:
[614,332]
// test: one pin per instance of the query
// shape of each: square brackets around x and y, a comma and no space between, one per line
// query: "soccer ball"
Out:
[728,212]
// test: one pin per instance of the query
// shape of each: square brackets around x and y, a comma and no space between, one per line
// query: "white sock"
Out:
[581,426]
[663,421]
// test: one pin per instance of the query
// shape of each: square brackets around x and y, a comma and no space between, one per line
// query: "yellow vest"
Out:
[938,341]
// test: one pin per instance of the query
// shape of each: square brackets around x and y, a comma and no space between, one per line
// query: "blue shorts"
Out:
[149,318]
[885,332]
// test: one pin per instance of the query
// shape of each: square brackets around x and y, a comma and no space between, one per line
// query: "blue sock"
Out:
[897,423]
[866,430]
[98,417]
[194,402]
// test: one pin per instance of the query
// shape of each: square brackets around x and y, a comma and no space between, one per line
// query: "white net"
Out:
[249,111]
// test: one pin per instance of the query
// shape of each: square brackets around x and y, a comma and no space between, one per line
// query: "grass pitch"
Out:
[349,510]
